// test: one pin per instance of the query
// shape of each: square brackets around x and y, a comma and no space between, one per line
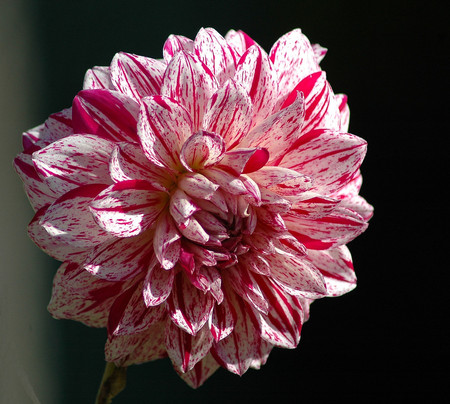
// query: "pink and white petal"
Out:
[200,372]
[222,320]
[197,185]
[157,285]
[212,49]
[337,268]
[278,132]
[240,161]
[53,245]
[229,113]
[31,139]
[264,350]
[98,77]
[191,83]
[166,242]
[181,207]
[105,113]
[296,275]
[120,259]
[359,205]
[175,44]
[274,202]
[126,350]
[256,74]
[128,162]
[57,126]
[313,205]
[293,58]
[282,325]
[74,161]
[128,208]
[331,158]
[67,304]
[319,52]
[282,181]
[341,100]
[163,127]
[136,76]
[129,314]
[192,230]
[70,220]
[201,150]
[239,41]
[188,307]
[238,351]
[256,263]
[38,192]
[330,231]
[185,350]
[228,182]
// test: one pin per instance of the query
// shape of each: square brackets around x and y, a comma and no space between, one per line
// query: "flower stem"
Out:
[113,382]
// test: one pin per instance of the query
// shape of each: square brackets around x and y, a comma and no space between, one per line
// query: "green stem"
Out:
[113,382]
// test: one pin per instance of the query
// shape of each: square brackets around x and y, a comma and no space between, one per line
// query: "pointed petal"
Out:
[197,185]
[278,132]
[74,161]
[330,158]
[202,150]
[223,319]
[164,125]
[189,308]
[314,206]
[157,285]
[166,242]
[212,49]
[229,113]
[191,83]
[136,76]
[98,78]
[319,52]
[200,372]
[70,220]
[105,113]
[128,208]
[225,180]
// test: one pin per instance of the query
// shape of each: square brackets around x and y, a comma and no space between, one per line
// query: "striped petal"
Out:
[136,76]
[200,372]
[202,150]
[157,285]
[166,242]
[175,44]
[128,208]
[98,77]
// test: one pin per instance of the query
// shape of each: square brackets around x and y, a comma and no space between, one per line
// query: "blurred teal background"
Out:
[384,340]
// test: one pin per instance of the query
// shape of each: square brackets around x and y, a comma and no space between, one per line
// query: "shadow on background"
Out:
[365,346]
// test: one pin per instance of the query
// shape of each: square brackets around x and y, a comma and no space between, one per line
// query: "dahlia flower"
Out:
[199,202]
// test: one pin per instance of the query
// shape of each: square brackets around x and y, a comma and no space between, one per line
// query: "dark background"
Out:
[388,339]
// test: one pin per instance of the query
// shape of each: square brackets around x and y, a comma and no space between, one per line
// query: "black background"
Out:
[388,339]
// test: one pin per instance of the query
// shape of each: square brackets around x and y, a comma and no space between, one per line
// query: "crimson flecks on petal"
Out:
[200,202]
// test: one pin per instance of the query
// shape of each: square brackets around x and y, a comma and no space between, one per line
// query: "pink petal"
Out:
[281,326]
[98,78]
[296,275]
[157,285]
[119,259]
[105,113]
[129,315]
[191,83]
[128,162]
[70,220]
[189,308]
[212,49]
[200,372]
[256,74]
[327,232]
[38,192]
[330,158]
[202,150]
[128,208]
[176,43]
[278,132]
[337,268]
[197,185]
[136,76]
[166,242]
[293,59]
[164,125]
[229,113]
[74,161]
[186,350]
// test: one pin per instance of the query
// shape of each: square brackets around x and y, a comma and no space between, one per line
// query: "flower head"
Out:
[200,202]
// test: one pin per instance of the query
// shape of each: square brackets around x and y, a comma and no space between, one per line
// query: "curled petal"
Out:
[98,78]
[245,160]
[239,41]
[166,242]
[74,161]
[136,76]
[225,180]
[128,208]
[212,49]
[229,113]
[319,52]
[105,113]
[176,43]
[191,83]
[202,150]
[197,185]
[157,285]
[163,127]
